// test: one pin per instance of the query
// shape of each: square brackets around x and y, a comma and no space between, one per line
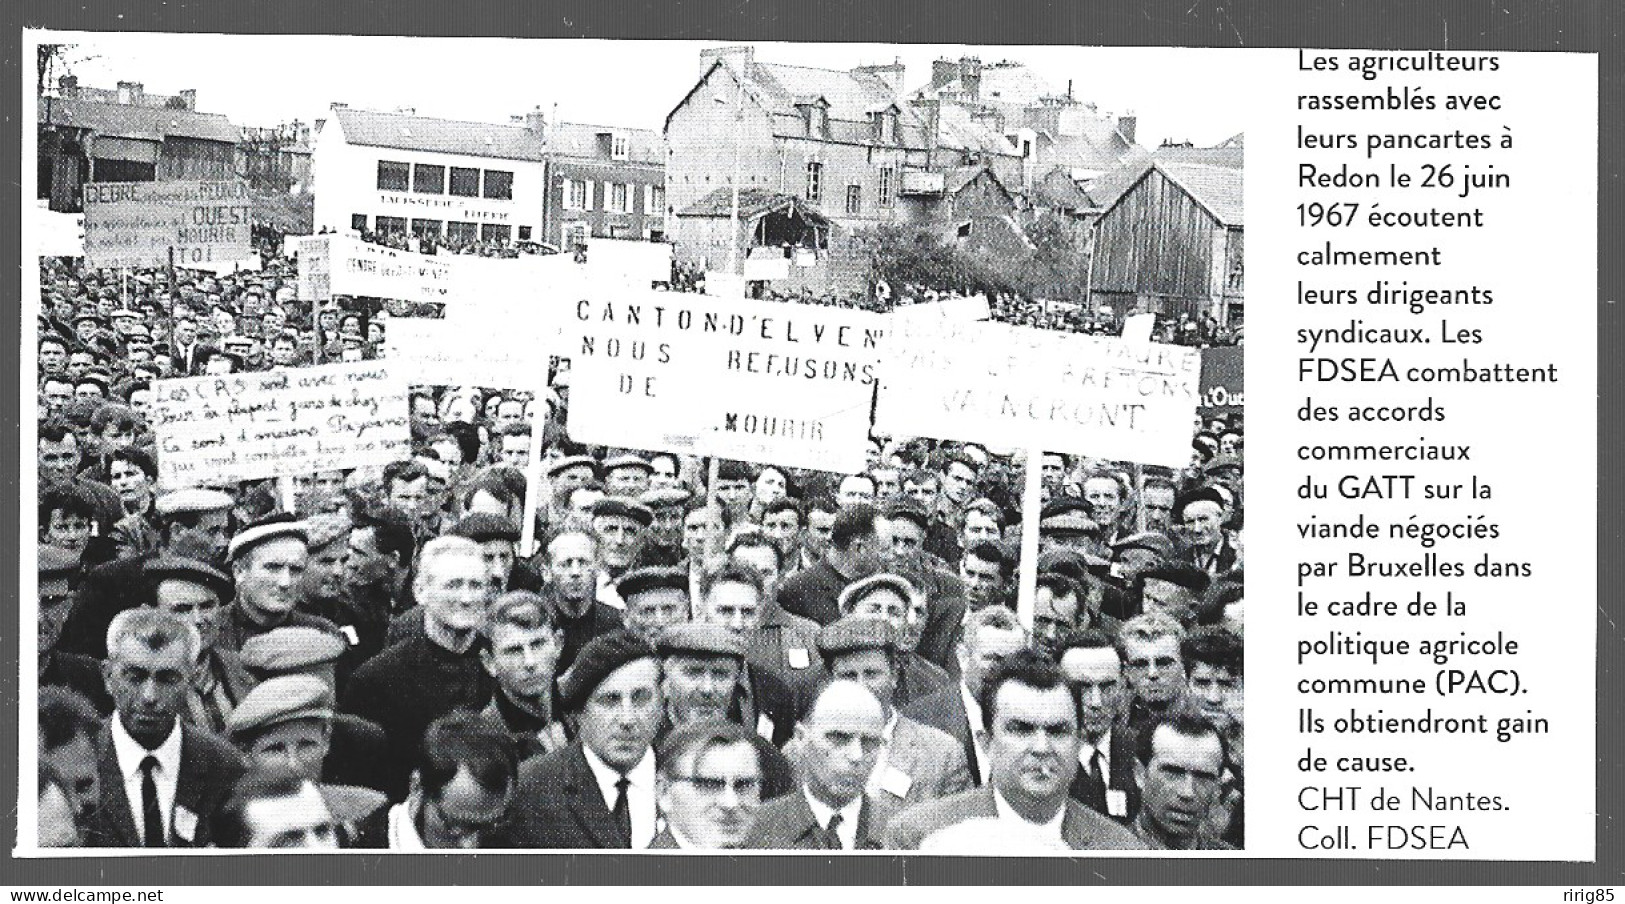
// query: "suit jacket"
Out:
[1082,828]
[558,805]
[209,768]
[933,761]
[664,841]
[945,711]
[788,824]
[1119,776]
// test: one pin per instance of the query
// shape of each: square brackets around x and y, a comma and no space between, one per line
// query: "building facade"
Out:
[606,182]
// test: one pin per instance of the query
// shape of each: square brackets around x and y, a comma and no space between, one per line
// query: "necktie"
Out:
[623,811]
[152,824]
[1095,771]
[832,838]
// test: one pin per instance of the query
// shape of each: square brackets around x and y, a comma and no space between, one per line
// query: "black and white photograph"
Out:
[657,446]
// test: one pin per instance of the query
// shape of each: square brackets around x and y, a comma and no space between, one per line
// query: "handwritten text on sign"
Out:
[221,429]
[360,268]
[138,224]
[752,380]
[992,382]
[504,355]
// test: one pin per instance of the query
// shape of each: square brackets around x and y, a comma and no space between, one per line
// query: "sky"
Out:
[265,80]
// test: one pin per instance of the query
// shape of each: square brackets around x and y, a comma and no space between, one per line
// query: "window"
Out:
[499,185]
[496,232]
[654,203]
[465,182]
[619,200]
[358,222]
[428,227]
[815,179]
[428,180]
[462,232]
[387,225]
[887,174]
[854,200]
[393,176]
[620,147]
[575,194]
[524,233]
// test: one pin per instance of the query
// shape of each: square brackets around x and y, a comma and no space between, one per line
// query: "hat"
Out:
[572,461]
[628,461]
[177,568]
[1222,461]
[291,648]
[666,497]
[210,351]
[88,314]
[1066,514]
[734,470]
[56,562]
[613,507]
[325,528]
[1151,540]
[855,633]
[483,526]
[699,639]
[124,314]
[265,530]
[281,699]
[1065,561]
[857,590]
[643,580]
[913,511]
[190,501]
[1205,494]
[597,661]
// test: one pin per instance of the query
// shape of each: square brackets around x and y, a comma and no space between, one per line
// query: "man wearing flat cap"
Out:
[664,544]
[58,570]
[599,791]
[701,669]
[192,523]
[198,593]
[1201,515]
[621,525]
[627,475]
[322,588]
[655,598]
[565,476]
[894,599]
[732,597]
[267,563]
[1065,523]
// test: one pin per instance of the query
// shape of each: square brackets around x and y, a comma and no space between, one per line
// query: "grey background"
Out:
[1537,25]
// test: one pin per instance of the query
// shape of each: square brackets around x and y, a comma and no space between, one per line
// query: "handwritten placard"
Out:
[141,224]
[362,268]
[231,427]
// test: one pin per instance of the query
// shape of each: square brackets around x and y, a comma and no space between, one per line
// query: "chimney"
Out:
[188,97]
[890,74]
[970,75]
[536,124]
[737,58]
[126,92]
[68,86]
[339,105]
[943,72]
[1126,125]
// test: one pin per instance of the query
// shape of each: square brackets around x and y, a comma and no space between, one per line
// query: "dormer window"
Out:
[815,116]
[620,147]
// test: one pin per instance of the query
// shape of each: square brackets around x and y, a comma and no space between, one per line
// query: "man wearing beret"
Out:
[321,589]
[1201,515]
[621,526]
[731,597]
[664,545]
[197,593]
[428,674]
[599,791]
[193,523]
[267,563]
[700,667]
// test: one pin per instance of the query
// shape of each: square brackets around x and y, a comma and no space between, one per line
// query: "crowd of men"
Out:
[695,654]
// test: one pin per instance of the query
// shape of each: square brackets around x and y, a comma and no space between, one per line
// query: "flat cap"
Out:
[56,562]
[599,659]
[483,526]
[561,465]
[179,568]
[1221,461]
[281,699]
[124,314]
[325,528]
[1205,494]
[855,633]
[195,500]
[643,580]
[699,639]
[666,496]
[291,648]
[628,461]
[1151,540]
[857,590]
[734,470]
[1071,515]
[266,530]
[614,507]
[909,509]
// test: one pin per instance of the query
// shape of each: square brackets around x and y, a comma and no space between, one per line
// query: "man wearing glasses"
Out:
[709,787]
[460,791]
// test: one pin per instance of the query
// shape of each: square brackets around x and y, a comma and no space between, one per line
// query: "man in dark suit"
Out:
[857,549]
[1030,715]
[991,634]
[598,792]
[1105,781]
[842,737]
[69,726]
[161,780]
[709,786]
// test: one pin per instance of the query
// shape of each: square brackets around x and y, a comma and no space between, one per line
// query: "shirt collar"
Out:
[823,812]
[403,834]
[1087,751]
[641,776]
[130,752]
[1050,828]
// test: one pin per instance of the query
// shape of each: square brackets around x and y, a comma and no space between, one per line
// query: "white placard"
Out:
[140,224]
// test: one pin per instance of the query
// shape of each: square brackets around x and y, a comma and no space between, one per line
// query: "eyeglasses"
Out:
[711,786]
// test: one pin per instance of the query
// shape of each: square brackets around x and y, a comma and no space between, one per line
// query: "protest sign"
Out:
[362,268]
[315,265]
[635,263]
[55,234]
[752,380]
[231,427]
[450,352]
[1041,389]
[943,310]
[1222,381]
[141,224]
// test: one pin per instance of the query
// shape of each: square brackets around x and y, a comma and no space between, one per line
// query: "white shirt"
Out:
[973,710]
[1104,748]
[1049,831]
[847,831]
[607,594]
[640,793]
[403,834]
[876,778]
[166,777]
